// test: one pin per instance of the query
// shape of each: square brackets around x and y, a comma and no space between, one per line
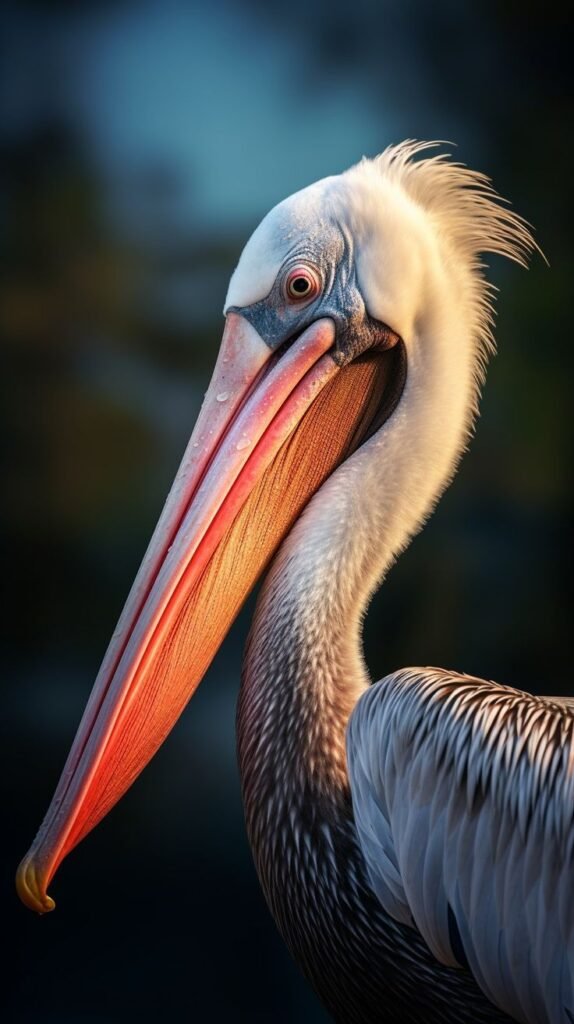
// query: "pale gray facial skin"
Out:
[278,320]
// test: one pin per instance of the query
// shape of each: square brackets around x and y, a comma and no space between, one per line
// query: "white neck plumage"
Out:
[418,230]
[304,669]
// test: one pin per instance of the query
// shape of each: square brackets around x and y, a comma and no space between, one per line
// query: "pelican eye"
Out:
[301,284]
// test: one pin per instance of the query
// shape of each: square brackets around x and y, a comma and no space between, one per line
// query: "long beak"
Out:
[270,431]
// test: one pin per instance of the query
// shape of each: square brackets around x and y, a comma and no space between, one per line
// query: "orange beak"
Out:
[272,428]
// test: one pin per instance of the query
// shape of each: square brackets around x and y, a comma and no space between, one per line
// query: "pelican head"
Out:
[358,303]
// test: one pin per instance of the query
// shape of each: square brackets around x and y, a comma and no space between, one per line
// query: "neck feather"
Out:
[418,227]
[304,668]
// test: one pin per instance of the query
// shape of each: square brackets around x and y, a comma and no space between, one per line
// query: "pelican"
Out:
[414,838]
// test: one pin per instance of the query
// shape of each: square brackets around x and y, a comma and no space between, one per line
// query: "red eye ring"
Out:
[301,284]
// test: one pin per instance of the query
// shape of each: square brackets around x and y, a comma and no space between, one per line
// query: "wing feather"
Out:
[463,794]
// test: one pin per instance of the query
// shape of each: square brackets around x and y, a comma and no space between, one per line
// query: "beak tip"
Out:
[30,889]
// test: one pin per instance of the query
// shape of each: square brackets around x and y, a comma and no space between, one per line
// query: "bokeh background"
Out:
[140,144]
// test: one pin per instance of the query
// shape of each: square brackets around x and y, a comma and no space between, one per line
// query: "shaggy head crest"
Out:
[468,215]
[464,202]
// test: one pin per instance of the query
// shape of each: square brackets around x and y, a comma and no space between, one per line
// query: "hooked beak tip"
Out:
[30,889]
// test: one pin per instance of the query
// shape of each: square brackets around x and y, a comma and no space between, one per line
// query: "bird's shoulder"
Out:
[486,734]
[463,797]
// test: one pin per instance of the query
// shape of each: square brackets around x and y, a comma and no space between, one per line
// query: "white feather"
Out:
[458,786]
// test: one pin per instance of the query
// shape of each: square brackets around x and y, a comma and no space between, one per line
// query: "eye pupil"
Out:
[300,285]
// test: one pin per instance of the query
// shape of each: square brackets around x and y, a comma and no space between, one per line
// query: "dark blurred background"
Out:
[140,145]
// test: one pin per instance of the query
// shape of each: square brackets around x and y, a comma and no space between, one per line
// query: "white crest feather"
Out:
[468,211]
